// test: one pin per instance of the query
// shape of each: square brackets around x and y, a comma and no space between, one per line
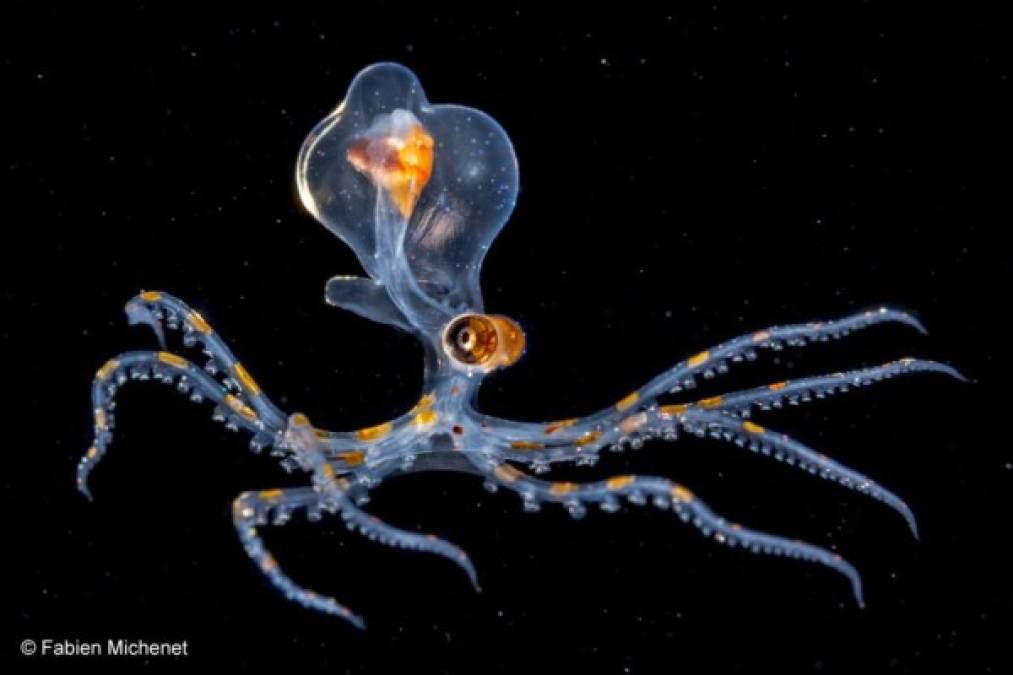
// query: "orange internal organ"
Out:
[401,164]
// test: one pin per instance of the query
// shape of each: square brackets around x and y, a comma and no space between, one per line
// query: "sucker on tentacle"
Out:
[419,192]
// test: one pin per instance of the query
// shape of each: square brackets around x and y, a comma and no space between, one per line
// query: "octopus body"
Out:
[419,192]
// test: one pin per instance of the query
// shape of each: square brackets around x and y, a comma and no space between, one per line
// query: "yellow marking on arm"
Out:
[321,434]
[752,427]
[100,418]
[374,433]
[425,418]
[553,427]
[245,379]
[560,489]
[633,422]
[151,296]
[198,323]
[240,407]
[526,445]
[92,452]
[700,358]
[778,386]
[172,359]
[425,402]
[328,471]
[270,495]
[627,401]
[670,410]
[299,420]
[352,457]
[712,402]
[107,369]
[619,482]
[507,473]
[761,336]
[587,439]
[681,494]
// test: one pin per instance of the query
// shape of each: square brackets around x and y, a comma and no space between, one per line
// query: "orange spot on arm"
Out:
[619,482]
[246,379]
[712,402]
[681,494]
[553,427]
[561,489]
[627,401]
[698,359]
[587,439]
[374,433]
[198,323]
[171,359]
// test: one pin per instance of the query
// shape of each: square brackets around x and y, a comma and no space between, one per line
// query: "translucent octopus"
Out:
[419,191]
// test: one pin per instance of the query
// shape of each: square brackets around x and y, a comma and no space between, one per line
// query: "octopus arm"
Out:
[664,494]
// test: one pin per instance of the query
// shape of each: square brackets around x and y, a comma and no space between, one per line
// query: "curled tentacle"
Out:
[664,494]
[233,409]
[251,509]
[156,308]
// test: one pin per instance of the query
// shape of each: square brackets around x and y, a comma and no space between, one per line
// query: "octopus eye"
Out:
[482,341]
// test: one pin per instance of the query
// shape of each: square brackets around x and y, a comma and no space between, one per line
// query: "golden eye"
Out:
[482,341]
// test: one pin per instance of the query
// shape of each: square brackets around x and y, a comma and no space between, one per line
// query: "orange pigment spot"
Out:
[619,482]
[698,359]
[198,323]
[560,489]
[627,401]
[712,402]
[172,359]
[682,494]
[107,369]
[553,427]
[246,380]
[352,457]
[374,433]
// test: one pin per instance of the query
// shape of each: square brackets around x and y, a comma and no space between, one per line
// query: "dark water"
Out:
[685,178]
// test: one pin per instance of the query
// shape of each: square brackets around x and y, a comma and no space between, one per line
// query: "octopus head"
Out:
[419,192]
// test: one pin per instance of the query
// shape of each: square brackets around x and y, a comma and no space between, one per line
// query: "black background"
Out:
[686,177]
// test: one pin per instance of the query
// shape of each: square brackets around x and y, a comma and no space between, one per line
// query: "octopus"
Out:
[419,191]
